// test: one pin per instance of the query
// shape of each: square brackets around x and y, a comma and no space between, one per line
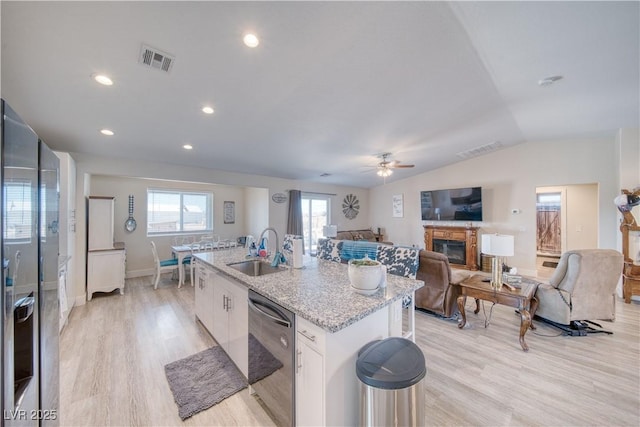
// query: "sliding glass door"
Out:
[316,212]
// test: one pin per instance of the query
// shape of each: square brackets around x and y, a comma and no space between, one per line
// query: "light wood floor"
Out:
[114,349]
[113,353]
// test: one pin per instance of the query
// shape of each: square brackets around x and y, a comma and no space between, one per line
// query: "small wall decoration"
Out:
[279,197]
[398,208]
[350,206]
[229,212]
[130,223]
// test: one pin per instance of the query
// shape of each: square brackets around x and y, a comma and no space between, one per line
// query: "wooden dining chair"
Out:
[189,260]
[162,266]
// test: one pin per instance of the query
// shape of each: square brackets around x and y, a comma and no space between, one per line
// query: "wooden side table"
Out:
[521,298]
[631,281]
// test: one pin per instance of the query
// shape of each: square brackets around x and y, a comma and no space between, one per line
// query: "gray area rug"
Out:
[200,381]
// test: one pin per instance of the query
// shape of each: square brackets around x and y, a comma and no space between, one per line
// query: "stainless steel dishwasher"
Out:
[271,357]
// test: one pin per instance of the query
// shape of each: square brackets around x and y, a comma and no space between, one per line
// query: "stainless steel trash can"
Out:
[391,374]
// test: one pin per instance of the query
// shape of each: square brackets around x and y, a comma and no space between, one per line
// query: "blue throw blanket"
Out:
[358,249]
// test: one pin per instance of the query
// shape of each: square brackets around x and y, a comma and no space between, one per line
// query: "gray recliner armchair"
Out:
[582,287]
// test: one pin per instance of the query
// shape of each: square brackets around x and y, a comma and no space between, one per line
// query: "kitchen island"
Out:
[332,323]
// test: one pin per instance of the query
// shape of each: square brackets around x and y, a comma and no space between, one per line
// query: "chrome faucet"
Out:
[277,239]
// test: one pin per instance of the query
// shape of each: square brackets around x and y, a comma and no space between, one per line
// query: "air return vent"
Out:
[155,58]
[481,150]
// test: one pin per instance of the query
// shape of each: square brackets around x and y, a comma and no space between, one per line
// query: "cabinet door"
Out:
[204,297]
[238,327]
[309,384]
[231,319]
[201,277]
[220,315]
[105,272]
[209,301]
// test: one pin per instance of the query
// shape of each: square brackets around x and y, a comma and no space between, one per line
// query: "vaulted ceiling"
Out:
[330,86]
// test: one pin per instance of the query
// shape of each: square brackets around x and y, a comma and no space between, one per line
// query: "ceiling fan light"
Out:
[384,172]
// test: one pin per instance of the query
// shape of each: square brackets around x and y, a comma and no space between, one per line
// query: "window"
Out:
[315,215]
[18,216]
[179,212]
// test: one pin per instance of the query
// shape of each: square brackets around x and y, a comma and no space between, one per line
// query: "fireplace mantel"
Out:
[468,235]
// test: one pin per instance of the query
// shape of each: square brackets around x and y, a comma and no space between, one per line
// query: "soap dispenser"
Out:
[262,250]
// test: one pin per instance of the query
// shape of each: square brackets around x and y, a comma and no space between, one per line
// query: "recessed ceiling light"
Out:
[251,40]
[207,110]
[187,147]
[102,79]
[547,81]
[107,132]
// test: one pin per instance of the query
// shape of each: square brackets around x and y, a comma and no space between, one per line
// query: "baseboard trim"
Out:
[130,274]
[81,300]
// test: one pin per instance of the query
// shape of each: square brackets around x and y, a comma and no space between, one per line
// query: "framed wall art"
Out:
[229,212]
[397,206]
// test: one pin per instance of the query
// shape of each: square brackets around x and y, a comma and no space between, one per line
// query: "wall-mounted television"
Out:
[456,204]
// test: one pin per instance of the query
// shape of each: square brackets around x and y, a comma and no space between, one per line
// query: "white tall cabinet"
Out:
[105,258]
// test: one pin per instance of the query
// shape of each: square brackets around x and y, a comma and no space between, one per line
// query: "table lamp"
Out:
[498,245]
[330,231]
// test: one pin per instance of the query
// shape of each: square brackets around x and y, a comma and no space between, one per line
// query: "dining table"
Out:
[181,252]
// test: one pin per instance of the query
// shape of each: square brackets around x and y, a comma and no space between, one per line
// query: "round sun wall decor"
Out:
[350,206]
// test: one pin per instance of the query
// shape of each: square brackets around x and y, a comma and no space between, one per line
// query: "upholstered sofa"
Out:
[440,292]
[360,235]
[367,234]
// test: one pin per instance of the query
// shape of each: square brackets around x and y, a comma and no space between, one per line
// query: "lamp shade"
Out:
[497,244]
[330,230]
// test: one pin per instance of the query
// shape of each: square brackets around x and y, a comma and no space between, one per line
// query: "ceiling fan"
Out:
[386,166]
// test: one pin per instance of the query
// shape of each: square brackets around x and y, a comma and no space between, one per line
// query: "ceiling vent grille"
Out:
[155,58]
[479,151]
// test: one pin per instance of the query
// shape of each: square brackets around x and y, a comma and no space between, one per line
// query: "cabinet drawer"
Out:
[311,334]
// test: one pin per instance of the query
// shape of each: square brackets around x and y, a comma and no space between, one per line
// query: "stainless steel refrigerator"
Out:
[30,333]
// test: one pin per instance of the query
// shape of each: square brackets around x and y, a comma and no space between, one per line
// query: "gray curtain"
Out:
[294,221]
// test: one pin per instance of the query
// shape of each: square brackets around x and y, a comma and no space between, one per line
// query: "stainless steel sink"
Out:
[254,267]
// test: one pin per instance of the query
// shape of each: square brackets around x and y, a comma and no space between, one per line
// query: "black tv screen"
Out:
[457,204]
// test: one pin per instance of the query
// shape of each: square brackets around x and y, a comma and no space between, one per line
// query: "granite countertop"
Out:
[320,291]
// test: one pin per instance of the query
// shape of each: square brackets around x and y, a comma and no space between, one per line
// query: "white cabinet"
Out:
[327,388]
[105,271]
[231,319]
[310,356]
[204,296]
[105,259]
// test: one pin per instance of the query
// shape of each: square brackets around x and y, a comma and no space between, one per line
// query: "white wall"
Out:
[628,143]
[509,179]
[256,210]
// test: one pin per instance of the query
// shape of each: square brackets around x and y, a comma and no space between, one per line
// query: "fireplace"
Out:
[453,249]
[459,244]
